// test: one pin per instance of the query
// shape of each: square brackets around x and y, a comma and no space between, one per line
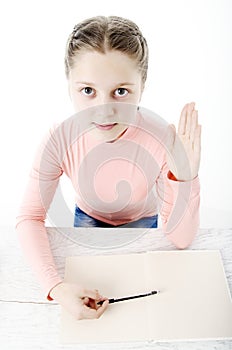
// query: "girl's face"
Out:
[101,81]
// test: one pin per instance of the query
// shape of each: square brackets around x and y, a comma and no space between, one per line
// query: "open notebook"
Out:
[194,301]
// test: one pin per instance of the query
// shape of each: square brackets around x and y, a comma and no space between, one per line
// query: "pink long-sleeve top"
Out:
[115,182]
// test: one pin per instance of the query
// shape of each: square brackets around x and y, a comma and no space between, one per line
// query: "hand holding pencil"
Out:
[79,301]
[83,303]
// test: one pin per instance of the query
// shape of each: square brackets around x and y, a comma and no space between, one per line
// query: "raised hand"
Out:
[184,147]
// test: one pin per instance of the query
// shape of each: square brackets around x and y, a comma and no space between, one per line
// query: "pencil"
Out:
[112,300]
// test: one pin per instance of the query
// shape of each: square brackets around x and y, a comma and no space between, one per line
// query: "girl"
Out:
[124,164]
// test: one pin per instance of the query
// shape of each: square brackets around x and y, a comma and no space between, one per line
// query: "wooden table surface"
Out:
[29,321]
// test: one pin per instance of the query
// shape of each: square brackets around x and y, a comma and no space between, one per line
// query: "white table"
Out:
[29,321]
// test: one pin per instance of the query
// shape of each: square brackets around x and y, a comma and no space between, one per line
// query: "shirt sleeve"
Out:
[179,203]
[30,221]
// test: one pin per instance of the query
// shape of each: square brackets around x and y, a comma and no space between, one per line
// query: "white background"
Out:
[190,60]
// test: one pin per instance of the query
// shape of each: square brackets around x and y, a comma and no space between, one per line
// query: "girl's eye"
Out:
[88,91]
[121,92]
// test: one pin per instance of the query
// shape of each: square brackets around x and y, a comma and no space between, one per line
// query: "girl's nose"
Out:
[105,110]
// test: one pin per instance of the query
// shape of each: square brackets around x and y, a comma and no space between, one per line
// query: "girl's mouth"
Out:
[105,126]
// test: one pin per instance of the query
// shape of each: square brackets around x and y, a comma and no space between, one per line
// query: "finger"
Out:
[193,126]
[197,140]
[102,299]
[182,122]
[102,308]
[189,119]
[86,301]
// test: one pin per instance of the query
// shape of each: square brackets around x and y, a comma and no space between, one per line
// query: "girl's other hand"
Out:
[79,301]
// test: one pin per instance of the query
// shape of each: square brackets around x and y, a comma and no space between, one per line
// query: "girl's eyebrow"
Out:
[84,83]
[92,84]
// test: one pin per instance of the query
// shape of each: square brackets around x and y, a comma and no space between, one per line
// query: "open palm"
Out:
[184,147]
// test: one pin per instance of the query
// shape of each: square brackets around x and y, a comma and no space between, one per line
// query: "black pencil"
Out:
[111,301]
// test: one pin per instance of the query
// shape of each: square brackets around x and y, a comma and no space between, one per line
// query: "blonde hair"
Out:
[102,33]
